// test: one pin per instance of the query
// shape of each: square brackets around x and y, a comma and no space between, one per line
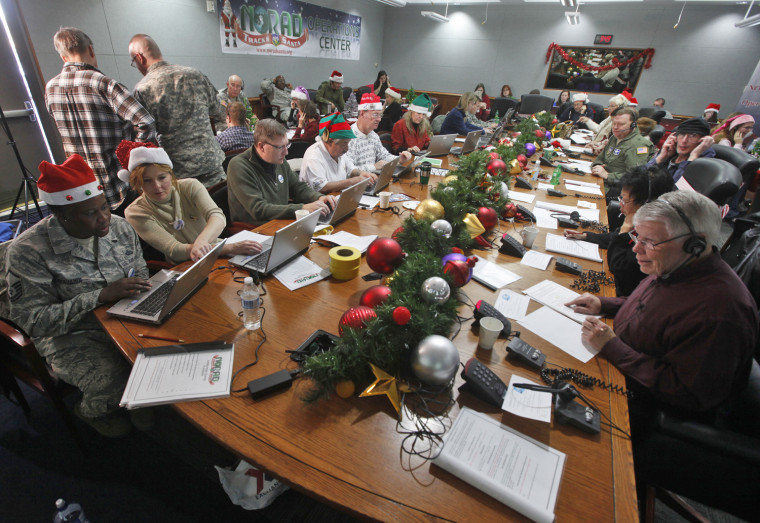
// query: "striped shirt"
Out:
[93,114]
[237,137]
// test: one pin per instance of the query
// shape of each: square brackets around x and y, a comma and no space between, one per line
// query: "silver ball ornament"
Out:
[442,226]
[435,290]
[435,360]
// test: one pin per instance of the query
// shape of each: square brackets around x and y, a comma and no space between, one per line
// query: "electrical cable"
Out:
[256,353]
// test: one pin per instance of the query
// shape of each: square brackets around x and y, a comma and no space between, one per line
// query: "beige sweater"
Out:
[154,221]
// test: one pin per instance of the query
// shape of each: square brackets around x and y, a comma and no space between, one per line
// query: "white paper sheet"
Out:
[560,331]
[545,186]
[586,214]
[346,239]
[554,295]
[247,235]
[491,275]
[578,182]
[572,187]
[544,218]
[521,196]
[512,304]
[526,403]
[369,202]
[584,167]
[577,248]
[300,273]
[536,259]
[586,205]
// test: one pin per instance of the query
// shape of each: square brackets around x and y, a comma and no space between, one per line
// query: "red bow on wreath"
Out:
[648,53]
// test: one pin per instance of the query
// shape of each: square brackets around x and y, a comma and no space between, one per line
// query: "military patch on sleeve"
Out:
[642,150]
[15,288]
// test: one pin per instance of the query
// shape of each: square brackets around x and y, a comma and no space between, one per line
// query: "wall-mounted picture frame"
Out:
[604,70]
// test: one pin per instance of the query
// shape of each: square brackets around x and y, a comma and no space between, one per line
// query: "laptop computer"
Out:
[386,175]
[440,145]
[287,243]
[348,201]
[401,169]
[488,139]
[170,291]
[470,143]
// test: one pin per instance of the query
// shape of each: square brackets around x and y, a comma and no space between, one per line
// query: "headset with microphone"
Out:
[693,246]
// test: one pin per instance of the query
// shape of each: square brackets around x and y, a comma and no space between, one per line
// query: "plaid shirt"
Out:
[237,137]
[93,114]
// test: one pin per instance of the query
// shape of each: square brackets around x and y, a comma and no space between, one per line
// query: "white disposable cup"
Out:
[301,213]
[385,199]
[528,235]
[489,332]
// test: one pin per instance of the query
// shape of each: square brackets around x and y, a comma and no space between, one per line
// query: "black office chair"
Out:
[614,219]
[535,103]
[347,92]
[655,135]
[598,111]
[556,81]
[229,155]
[433,100]
[298,149]
[716,179]
[385,139]
[313,95]
[221,200]
[716,464]
[658,116]
[647,112]
[364,89]
[501,106]
[268,110]
[746,163]
[436,111]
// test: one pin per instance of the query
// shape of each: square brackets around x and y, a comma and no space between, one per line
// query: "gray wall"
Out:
[188,35]
[706,60]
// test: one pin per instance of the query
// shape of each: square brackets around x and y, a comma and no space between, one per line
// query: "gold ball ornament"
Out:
[516,167]
[450,178]
[429,209]
[345,389]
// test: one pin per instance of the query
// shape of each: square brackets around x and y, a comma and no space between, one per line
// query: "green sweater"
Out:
[327,94]
[618,157]
[257,196]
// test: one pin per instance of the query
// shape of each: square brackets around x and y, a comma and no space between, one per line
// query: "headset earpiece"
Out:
[694,245]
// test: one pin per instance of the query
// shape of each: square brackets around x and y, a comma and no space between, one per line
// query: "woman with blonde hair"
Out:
[177,217]
[455,122]
[413,131]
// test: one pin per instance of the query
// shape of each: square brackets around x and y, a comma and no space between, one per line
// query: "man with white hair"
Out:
[577,110]
[367,151]
[234,93]
[686,335]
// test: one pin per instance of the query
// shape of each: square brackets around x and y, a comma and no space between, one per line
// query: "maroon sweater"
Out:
[688,339]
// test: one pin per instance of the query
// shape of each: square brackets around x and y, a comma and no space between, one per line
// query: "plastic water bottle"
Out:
[69,512]
[251,305]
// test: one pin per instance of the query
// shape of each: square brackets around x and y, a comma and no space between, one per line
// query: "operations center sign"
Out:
[288,28]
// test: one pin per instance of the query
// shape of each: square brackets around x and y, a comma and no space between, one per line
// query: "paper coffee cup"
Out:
[489,332]
[301,213]
[385,199]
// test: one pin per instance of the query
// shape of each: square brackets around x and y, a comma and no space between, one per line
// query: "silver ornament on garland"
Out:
[435,290]
[443,227]
[435,360]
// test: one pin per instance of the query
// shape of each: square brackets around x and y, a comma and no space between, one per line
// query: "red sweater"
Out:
[402,139]
[307,134]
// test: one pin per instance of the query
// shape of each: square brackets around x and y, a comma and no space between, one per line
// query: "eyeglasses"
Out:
[649,245]
[278,147]
[132,63]
[624,202]
[690,136]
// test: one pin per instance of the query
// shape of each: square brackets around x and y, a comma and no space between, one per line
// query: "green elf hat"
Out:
[335,126]
[422,105]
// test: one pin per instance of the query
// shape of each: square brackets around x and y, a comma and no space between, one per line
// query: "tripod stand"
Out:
[27,183]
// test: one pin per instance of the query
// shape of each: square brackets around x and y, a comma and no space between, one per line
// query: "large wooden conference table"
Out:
[346,452]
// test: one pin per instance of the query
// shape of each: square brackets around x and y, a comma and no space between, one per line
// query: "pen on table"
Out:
[131,273]
[175,340]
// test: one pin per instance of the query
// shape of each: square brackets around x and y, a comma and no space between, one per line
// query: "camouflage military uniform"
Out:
[225,99]
[53,287]
[327,95]
[181,99]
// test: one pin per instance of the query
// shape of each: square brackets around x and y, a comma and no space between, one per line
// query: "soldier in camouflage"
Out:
[234,93]
[181,99]
[59,271]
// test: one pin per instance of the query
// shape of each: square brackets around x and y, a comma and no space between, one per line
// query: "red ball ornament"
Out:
[460,271]
[522,160]
[394,234]
[384,255]
[488,217]
[510,211]
[457,250]
[401,315]
[494,155]
[555,121]
[356,317]
[497,167]
[374,296]
[540,133]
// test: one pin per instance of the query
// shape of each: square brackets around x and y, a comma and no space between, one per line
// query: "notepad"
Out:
[577,248]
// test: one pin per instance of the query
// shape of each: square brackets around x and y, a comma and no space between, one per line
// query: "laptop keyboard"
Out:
[153,304]
[259,261]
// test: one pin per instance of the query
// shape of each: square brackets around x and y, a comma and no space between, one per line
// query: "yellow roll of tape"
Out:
[345,262]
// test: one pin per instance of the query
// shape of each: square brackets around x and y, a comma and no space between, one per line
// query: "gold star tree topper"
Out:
[386,384]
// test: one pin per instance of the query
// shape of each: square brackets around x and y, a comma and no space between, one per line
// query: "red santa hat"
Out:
[580,97]
[393,93]
[132,154]
[71,182]
[336,77]
[629,96]
[370,102]
[712,107]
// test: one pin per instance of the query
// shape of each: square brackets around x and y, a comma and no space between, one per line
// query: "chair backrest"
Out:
[385,139]
[598,111]
[364,89]
[266,107]
[657,116]
[437,122]
[436,111]
[535,103]
[298,149]
[502,105]
[347,92]
[745,162]
[312,95]
[229,155]
[433,100]
[647,112]
[656,134]
[716,179]
[220,199]
[614,218]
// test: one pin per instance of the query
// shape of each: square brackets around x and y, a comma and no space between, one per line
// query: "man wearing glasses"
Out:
[181,99]
[691,140]
[367,151]
[94,113]
[261,186]
[326,167]
[686,336]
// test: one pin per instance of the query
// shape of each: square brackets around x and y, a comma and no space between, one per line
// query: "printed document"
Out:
[560,331]
[577,248]
[525,403]
[554,295]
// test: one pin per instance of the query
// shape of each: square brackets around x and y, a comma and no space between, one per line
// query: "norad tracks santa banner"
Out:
[288,28]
